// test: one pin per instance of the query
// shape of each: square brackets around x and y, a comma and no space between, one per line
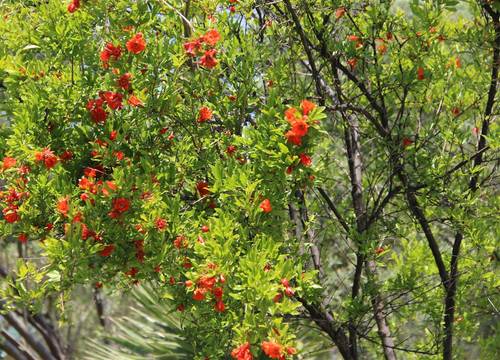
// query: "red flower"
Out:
[180,241]
[73,6]
[124,81]
[107,251]
[289,291]
[208,60]
[266,206]
[97,113]
[305,159]
[211,37]
[181,308]
[242,352]
[291,350]
[205,229]
[63,205]
[66,155]
[113,135]
[285,282]
[199,294]
[113,100]
[352,63]
[307,106]
[204,114]
[119,155]
[353,38]
[110,51]
[455,111]
[219,306]
[291,115]
[192,47]
[120,205]
[8,162]
[202,188]
[206,282]
[47,156]
[218,292]
[300,128]
[271,349]
[11,216]
[187,264]
[136,44]
[420,73]
[293,138]
[230,150]
[134,101]
[160,224]
[23,238]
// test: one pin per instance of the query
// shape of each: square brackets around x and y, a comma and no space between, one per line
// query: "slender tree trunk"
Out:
[451,288]
[356,173]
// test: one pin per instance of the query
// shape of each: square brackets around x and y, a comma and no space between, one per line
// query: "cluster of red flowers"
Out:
[298,122]
[196,48]
[114,100]
[87,233]
[272,349]
[109,52]
[12,200]
[242,352]
[206,284]
[288,291]
[46,156]
[90,186]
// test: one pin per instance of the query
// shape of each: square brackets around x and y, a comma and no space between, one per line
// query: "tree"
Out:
[209,149]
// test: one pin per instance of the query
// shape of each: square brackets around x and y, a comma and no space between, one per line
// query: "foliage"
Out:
[171,143]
